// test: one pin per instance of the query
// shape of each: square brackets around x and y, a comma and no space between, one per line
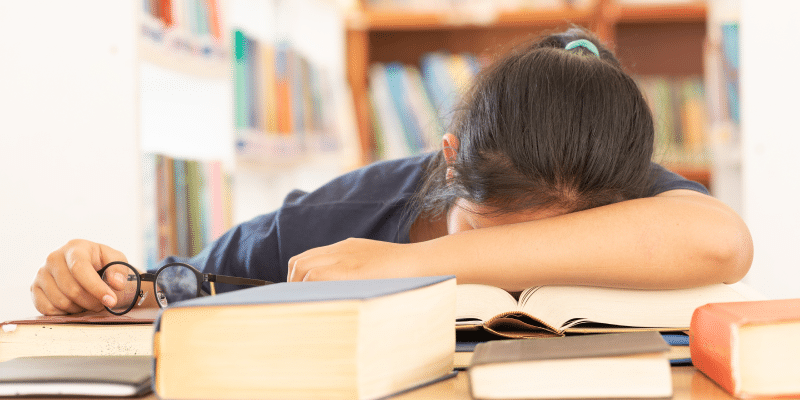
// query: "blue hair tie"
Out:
[583,43]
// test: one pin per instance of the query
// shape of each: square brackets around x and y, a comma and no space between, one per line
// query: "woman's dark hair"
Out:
[546,127]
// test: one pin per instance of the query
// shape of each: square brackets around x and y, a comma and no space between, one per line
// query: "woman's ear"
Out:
[449,147]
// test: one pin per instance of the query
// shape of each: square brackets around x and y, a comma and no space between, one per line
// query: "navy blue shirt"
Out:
[373,202]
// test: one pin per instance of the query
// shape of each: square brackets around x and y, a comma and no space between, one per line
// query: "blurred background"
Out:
[152,126]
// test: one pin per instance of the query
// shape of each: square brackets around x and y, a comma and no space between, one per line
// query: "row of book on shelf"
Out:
[481,10]
[373,338]
[477,7]
[190,27]
[187,205]
[283,102]
[411,106]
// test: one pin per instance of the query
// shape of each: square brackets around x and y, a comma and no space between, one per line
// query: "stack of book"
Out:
[190,27]
[283,102]
[680,117]
[411,107]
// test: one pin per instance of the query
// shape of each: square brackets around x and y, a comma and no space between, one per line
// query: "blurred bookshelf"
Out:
[185,113]
[654,40]
[240,103]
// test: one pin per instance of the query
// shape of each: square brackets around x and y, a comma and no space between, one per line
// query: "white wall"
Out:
[76,112]
[771,139]
[68,144]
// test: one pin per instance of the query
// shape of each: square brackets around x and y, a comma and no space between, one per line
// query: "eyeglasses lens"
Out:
[122,280]
[175,283]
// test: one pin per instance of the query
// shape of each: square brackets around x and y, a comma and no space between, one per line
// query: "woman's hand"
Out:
[68,282]
[353,259]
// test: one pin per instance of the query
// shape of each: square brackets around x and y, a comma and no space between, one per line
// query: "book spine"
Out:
[150,208]
[240,79]
[195,209]
[283,68]
[165,202]
[713,345]
[181,209]
[215,207]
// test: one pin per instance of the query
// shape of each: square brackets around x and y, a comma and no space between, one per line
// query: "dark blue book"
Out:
[344,339]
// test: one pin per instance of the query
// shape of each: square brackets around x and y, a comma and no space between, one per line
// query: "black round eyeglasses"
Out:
[171,283]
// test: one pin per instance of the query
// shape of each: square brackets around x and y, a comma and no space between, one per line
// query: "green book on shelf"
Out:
[240,79]
[196,188]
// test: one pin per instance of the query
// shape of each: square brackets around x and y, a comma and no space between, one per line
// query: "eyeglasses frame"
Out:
[201,277]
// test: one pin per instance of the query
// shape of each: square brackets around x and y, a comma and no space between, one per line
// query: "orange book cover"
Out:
[716,338]
[284,61]
[214,19]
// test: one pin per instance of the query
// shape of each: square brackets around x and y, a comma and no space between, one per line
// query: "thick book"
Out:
[84,334]
[749,348]
[107,376]
[361,339]
[619,365]
[557,310]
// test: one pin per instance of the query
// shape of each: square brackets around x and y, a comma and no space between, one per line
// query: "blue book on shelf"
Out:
[439,84]
[730,59]
[395,74]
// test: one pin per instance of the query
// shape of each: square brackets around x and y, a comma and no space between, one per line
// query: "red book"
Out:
[751,348]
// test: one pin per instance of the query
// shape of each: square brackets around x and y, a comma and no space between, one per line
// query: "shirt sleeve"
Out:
[249,250]
[665,180]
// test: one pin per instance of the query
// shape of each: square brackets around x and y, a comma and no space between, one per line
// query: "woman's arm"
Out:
[677,239]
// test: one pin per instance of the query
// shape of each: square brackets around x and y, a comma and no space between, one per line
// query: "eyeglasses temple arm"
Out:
[235,281]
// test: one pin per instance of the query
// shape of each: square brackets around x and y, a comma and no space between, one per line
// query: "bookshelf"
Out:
[650,39]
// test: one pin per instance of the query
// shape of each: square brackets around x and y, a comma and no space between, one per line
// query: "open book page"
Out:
[566,307]
[476,304]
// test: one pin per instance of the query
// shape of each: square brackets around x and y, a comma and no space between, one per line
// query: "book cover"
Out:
[108,376]
[749,348]
[284,340]
[623,365]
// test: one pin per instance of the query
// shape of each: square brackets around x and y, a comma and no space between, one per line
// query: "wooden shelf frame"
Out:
[382,36]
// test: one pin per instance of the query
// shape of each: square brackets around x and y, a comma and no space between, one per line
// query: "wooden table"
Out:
[688,383]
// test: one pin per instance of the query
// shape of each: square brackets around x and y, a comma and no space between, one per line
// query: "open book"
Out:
[557,310]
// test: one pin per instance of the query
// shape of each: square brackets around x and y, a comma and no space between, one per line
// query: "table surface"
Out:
[688,383]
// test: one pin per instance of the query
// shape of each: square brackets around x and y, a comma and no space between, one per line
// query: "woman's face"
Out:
[465,215]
